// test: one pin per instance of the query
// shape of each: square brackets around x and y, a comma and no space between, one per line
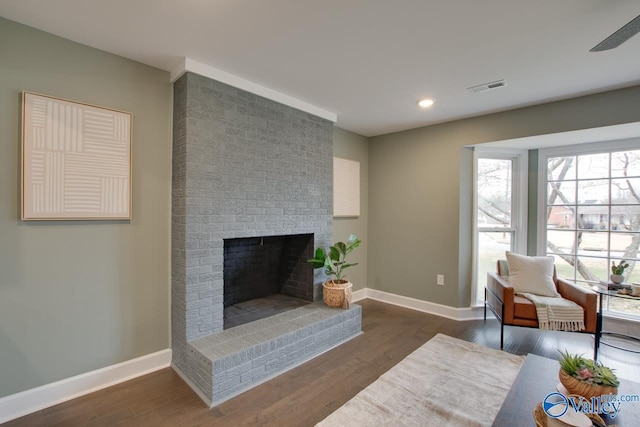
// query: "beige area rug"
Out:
[446,382]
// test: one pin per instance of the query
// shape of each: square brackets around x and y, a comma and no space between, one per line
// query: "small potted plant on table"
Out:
[585,377]
[617,271]
[336,292]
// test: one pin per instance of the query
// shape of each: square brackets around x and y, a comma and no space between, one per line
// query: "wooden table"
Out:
[539,377]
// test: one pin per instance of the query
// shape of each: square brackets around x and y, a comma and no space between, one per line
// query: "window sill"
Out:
[631,318]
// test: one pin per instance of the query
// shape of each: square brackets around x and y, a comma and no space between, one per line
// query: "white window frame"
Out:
[568,150]
[573,150]
[519,207]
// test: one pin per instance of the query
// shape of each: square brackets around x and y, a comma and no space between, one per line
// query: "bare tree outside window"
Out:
[593,215]
[495,231]
[494,192]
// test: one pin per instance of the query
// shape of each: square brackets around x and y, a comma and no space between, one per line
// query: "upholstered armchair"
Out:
[515,310]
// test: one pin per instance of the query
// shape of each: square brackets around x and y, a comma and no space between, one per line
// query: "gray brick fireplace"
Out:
[244,168]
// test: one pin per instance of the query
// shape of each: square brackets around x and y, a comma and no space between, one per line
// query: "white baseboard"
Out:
[460,314]
[35,399]
[358,295]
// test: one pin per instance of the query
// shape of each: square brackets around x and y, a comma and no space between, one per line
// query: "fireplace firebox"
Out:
[265,276]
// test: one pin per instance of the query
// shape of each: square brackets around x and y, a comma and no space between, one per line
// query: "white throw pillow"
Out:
[533,274]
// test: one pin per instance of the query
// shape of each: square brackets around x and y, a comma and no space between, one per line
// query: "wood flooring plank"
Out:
[307,394]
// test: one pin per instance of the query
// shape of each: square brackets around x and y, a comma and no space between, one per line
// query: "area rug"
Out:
[446,382]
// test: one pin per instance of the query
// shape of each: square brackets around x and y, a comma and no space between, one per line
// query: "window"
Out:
[590,214]
[500,211]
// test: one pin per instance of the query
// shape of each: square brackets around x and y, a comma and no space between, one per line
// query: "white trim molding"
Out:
[190,65]
[35,399]
[460,314]
[358,295]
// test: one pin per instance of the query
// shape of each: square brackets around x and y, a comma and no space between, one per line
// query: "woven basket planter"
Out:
[541,417]
[575,386]
[337,293]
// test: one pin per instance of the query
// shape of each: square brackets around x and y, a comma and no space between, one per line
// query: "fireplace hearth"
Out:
[259,308]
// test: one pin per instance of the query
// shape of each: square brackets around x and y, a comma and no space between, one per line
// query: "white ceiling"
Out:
[368,61]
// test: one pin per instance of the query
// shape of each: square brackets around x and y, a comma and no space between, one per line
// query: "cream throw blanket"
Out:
[556,313]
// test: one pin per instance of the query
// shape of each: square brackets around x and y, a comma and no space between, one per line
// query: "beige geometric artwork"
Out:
[76,160]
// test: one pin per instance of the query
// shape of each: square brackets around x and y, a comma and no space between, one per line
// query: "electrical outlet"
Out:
[440,279]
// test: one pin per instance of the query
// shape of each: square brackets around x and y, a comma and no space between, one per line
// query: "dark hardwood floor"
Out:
[307,394]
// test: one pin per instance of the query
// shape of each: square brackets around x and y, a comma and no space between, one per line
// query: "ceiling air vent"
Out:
[487,86]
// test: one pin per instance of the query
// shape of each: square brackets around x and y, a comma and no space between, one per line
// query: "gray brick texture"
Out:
[243,166]
[238,359]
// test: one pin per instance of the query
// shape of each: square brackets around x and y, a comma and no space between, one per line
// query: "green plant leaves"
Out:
[620,268]
[335,255]
[318,260]
[334,261]
[598,374]
[345,266]
[340,246]
[352,243]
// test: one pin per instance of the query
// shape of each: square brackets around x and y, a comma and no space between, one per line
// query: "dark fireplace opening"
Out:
[266,275]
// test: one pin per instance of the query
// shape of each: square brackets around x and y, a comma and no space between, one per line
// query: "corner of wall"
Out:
[352,146]
[465,231]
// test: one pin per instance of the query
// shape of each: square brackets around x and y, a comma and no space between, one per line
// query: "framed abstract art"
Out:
[76,160]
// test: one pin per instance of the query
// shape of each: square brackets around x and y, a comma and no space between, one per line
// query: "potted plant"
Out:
[618,271]
[336,292]
[585,377]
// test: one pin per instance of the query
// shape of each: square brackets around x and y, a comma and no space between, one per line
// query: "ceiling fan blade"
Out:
[620,36]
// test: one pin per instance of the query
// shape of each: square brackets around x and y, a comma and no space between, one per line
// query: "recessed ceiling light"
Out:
[425,103]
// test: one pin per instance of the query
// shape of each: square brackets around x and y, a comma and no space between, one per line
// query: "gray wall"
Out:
[77,296]
[352,146]
[419,215]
